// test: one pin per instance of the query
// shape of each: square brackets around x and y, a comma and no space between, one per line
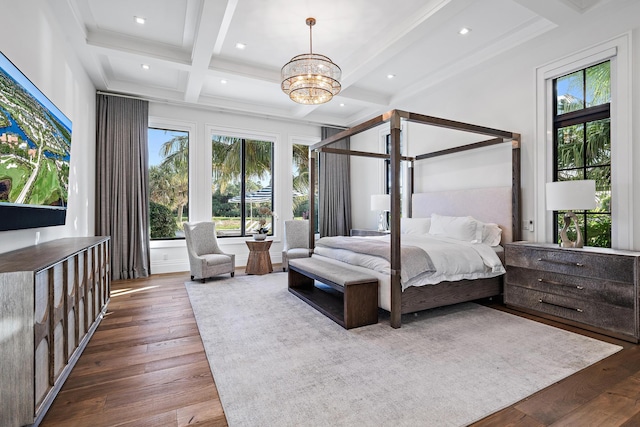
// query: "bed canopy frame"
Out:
[394,118]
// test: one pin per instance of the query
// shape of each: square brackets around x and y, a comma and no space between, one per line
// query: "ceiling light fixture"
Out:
[311,78]
[390,76]
[223,81]
[240,46]
[145,66]
[139,19]
[464,30]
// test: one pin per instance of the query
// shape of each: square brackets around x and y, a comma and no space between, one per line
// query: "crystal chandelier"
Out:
[311,78]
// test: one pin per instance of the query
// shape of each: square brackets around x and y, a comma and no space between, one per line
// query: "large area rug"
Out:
[277,361]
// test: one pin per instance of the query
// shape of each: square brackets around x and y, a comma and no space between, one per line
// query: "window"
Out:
[242,179]
[582,144]
[300,169]
[168,182]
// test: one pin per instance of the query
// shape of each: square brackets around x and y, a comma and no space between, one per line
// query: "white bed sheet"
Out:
[454,260]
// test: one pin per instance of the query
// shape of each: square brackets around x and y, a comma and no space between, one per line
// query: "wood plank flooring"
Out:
[146,366]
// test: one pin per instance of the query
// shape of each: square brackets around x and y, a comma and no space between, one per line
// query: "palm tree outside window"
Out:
[582,144]
[241,185]
[168,182]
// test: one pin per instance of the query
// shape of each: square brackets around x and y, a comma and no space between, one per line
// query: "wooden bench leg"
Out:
[360,304]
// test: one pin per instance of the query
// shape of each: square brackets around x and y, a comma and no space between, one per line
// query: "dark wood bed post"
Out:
[396,286]
[516,212]
[411,189]
[313,156]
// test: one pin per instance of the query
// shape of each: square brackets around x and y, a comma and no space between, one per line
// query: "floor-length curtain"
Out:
[334,188]
[122,183]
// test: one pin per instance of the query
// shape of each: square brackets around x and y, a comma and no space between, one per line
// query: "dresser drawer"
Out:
[610,317]
[595,290]
[572,262]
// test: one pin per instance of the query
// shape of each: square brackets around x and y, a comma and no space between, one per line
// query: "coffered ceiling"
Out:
[190,48]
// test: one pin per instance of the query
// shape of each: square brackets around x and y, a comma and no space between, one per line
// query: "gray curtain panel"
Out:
[334,188]
[122,190]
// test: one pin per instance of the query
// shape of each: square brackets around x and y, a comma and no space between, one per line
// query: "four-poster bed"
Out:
[415,298]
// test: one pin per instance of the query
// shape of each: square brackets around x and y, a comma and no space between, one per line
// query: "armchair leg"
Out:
[202,280]
[191,277]
[233,273]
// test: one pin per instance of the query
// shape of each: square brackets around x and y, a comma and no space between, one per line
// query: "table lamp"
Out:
[382,203]
[569,196]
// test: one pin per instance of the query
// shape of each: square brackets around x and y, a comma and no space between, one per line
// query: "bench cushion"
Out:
[337,274]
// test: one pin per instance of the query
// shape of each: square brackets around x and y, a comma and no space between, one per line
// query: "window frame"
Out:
[618,51]
[211,130]
[581,117]
[190,128]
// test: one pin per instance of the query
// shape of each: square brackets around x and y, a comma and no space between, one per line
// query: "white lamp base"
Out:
[565,242]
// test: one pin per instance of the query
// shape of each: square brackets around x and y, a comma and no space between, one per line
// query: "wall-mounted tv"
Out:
[35,147]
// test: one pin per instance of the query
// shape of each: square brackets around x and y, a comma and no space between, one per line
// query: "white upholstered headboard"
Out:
[493,204]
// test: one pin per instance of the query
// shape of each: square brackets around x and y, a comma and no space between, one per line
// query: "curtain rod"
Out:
[121,95]
[218,109]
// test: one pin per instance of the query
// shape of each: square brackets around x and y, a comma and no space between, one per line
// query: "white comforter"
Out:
[453,259]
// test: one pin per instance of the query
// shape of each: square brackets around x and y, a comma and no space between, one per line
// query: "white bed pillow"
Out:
[463,228]
[415,225]
[491,233]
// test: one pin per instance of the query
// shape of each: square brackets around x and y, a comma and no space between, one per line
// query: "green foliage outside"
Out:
[162,221]
[169,186]
[584,149]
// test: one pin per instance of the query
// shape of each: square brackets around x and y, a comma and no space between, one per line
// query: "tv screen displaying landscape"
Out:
[35,147]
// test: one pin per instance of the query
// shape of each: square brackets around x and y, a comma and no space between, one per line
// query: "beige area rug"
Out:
[278,362]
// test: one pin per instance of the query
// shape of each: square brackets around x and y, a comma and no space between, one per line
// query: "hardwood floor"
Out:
[146,366]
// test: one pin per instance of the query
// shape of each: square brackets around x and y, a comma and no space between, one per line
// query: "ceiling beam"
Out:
[212,30]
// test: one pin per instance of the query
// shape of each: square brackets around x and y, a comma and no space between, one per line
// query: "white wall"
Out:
[168,256]
[501,93]
[33,42]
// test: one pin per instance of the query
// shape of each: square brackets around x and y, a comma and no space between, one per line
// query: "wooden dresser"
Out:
[52,297]
[592,288]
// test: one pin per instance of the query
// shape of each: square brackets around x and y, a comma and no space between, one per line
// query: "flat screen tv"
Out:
[35,147]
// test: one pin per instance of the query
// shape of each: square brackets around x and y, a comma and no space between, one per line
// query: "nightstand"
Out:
[592,288]
[361,232]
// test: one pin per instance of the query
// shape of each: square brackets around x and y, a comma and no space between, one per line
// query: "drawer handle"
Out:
[577,264]
[541,301]
[551,282]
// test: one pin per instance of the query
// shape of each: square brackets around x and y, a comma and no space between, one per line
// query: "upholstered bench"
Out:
[354,300]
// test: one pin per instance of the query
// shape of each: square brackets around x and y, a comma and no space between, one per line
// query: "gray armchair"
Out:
[206,259]
[296,241]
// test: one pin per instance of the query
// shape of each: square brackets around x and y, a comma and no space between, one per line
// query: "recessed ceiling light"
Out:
[145,66]
[240,46]
[342,105]
[139,19]
[464,30]
[390,76]
[223,81]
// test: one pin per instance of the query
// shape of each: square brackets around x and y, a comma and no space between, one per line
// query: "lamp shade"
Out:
[380,202]
[571,195]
